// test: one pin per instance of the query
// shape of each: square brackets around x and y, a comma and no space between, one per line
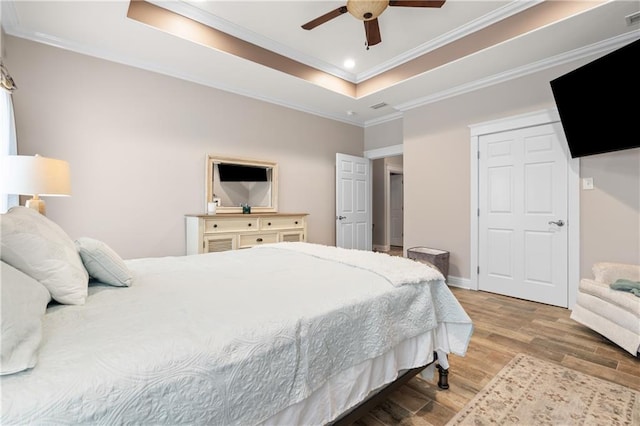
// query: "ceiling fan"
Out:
[368,11]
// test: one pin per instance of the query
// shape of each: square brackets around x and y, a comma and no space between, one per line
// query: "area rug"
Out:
[530,391]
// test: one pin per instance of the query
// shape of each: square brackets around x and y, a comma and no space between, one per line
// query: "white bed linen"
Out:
[225,338]
[352,386]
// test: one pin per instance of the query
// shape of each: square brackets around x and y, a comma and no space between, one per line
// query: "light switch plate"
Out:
[587,183]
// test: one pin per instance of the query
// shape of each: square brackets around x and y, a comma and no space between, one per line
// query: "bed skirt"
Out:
[343,392]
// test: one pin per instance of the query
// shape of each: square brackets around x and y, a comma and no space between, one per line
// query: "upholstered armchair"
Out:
[615,314]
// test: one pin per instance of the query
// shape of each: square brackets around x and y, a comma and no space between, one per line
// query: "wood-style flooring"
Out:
[503,327]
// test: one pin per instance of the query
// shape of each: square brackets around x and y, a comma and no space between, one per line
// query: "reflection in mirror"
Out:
[233,182]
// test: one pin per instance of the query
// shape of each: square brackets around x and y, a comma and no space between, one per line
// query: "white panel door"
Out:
[523,214]
[396,209]
[353,202]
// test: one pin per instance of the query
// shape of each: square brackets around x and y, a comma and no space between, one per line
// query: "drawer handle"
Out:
[269,223]
[215,225]
[259,240]
[249,224]
[296,222]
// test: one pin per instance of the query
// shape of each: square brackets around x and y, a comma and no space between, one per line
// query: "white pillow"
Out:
[103,263]
[40,248]
[609,272]
[23,302]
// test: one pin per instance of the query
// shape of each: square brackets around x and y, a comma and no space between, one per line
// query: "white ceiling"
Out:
[102,29]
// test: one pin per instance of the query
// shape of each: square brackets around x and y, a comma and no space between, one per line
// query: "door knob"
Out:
[557,223]
[341,217]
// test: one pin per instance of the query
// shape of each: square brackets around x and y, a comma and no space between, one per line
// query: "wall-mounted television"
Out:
[599,103]
[240,173]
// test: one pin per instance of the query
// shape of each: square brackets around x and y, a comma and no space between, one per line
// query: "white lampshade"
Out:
[36,176]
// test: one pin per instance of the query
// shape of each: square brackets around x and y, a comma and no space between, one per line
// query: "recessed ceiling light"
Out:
[349,63]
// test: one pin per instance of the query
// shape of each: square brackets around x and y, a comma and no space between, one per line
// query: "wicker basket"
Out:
[438,259]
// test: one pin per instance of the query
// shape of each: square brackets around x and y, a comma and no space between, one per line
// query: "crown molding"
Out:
[10,24]
[230,28]
[596,48]
[237,31]
[470,28]
[105,54]
[384,119]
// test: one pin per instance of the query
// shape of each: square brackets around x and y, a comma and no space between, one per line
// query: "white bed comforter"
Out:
[227,338]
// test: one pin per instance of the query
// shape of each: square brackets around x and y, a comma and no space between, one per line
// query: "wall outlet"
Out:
[587,183]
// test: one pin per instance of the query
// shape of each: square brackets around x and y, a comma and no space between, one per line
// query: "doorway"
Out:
[523,241]
[353,202]
[395,207]
[388,204]
[509,174]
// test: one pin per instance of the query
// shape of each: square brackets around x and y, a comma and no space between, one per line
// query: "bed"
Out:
[285,333]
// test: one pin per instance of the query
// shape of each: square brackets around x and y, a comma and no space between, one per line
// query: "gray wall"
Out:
[437,180]
[137,141]
[385,134]
[610,213]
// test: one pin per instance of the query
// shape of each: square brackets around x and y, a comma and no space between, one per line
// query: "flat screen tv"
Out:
[239,173]
[599,103]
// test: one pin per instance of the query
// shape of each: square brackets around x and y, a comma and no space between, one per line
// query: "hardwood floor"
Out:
[503,327]
[396,250]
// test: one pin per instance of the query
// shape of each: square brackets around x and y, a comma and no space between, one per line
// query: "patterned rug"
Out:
[529,391]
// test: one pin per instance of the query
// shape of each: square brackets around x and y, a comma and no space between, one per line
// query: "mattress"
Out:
[233,338]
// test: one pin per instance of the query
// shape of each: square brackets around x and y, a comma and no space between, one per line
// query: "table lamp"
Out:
[37,176]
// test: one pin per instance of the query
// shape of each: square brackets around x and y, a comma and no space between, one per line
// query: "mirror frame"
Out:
[212,159]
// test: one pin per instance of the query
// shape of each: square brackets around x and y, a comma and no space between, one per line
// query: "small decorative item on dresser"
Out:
[211,208]
[246,208]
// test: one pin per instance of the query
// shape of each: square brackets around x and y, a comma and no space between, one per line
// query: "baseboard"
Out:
[459,282]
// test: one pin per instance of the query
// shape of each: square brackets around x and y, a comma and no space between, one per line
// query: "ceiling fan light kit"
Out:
[368,11]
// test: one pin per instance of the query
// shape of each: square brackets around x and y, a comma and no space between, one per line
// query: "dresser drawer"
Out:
[291,236]
[220,242]
[230,224]
[282,222]
[232,231]
[250,240]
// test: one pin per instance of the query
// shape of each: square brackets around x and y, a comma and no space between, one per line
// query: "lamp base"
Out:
[36,204]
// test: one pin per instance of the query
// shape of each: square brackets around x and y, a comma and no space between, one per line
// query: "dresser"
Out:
[230,231]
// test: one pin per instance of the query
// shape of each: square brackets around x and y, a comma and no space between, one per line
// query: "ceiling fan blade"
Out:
[324,18]
[372,30]
[416,3]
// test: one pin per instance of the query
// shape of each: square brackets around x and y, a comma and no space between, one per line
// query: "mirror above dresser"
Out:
[232,183]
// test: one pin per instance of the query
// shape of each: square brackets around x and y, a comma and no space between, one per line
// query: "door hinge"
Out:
[478,270]
[478,155]
[478,211]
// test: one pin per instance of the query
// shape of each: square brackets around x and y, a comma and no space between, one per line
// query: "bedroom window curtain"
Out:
[8,140]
